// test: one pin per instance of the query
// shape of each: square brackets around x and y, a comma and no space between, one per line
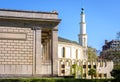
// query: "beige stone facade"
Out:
[16,56]
[28,43]
[70,53]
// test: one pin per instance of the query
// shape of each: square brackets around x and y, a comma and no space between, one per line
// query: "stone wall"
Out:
[16,50]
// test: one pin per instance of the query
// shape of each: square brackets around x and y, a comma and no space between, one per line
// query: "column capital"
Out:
[36,28]
[54,29]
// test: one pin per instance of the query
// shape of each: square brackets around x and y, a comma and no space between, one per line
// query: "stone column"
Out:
[45,53]
[37,51]
[50,50]
[54,52]
[48,47]
[47,44]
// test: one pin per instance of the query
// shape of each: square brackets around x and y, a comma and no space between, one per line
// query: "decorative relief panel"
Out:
[13,36]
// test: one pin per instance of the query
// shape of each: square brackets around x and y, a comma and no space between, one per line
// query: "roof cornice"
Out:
[28,11]
[30,19]
[29,15]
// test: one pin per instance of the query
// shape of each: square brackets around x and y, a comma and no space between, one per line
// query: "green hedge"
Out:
[54,80]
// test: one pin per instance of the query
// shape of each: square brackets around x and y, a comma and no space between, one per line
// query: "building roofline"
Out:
[29,15]
[29,11]
[67,41]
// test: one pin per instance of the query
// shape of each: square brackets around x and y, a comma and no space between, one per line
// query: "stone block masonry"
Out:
[22,35]
[16,53]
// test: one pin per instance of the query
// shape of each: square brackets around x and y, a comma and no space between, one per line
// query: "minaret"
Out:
[83,36]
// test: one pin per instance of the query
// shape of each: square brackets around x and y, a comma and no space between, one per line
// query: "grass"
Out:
[52,80]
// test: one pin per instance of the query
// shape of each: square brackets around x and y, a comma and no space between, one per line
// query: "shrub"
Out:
[54,80]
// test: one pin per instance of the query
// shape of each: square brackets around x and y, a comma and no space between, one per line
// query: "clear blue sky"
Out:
[102,16]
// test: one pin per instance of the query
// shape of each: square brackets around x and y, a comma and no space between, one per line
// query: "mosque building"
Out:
[71,53]
[30,47]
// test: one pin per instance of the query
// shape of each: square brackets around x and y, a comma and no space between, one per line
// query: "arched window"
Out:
[63,54]
[76,54]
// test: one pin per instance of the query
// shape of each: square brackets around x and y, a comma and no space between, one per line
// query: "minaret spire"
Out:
[82,10]
[83,36]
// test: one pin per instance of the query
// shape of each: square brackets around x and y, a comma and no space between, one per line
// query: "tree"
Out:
[92,72]
[76,70]
[115,73]
[112,54]
[92,54]
[118,35]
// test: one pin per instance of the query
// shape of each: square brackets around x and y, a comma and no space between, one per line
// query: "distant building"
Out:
[114,44]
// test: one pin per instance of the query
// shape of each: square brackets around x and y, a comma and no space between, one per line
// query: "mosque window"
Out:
[63,66]
[63,71]
[94,66]
[101,64]
[95,75]
[63,52]
[105,64]
[105,75]
[100,75]
[76,54]
[89,66]
[84,66]
[84,75]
